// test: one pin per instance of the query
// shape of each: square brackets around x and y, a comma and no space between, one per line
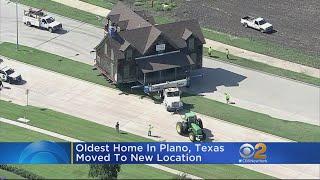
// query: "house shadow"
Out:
[212,78]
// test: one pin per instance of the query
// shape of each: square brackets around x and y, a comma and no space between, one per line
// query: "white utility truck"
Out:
[37,18]
[257,23]
[170,93]
[8,74]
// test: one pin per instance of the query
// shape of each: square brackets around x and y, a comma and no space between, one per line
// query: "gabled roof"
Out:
[177,31]
[128,19]
[141,38]
[139,31]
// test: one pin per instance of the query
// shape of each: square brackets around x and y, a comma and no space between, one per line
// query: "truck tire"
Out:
[179,128]
[28,24]
[192,137]
[50,30]
[200,123]
[245,25]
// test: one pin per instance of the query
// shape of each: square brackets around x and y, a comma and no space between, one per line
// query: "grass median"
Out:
[89,131]
[247,118]
[264,67]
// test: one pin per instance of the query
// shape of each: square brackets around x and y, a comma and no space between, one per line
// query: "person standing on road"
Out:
[210,51]
[149,130]
[227,98]
[1,84]
[117,127]
[228,53]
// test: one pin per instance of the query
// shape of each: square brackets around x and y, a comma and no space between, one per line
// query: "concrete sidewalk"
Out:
[214,44]
[70,139]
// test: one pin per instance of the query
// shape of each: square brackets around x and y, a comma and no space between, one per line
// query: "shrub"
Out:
[21,172]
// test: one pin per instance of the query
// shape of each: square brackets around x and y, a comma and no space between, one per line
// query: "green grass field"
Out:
[11,133]
[247,118]
[89,131]
[8,175]
[264,67]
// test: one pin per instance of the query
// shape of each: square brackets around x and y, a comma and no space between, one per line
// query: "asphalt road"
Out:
[296,21]
[256,91]
[107,106]
[75,38]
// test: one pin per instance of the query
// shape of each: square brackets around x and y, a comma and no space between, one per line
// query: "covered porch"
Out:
[163,67]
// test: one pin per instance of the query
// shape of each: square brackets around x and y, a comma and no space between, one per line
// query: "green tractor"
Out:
[191,125]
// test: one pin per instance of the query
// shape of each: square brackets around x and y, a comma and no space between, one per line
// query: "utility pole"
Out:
[17,25]
[25,114]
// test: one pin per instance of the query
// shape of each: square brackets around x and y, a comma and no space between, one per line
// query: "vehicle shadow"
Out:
[22,82]
[209,134]
[61,31]
[212,78]
[271,32]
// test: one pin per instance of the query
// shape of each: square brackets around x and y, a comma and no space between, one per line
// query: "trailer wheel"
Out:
[28,24]
[50,30]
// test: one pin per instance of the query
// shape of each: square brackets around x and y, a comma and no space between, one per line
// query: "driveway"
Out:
[107,106]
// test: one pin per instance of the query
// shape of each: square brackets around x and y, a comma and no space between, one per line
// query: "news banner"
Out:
[47,152]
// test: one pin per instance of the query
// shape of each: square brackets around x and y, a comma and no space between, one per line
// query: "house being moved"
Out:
[135,49]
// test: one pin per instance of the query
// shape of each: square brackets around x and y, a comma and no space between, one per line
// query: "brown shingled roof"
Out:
[177,30]
[121,12]
[141,38]
[137,32]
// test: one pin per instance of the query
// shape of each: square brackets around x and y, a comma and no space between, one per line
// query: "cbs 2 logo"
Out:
[258,151]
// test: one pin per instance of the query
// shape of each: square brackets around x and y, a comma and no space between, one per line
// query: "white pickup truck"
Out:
[257,23]
[39,19]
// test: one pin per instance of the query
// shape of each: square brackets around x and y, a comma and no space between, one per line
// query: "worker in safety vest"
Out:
[210,51]
[228,53]
[1,84]
[149,130]
[227,98]
[117,127]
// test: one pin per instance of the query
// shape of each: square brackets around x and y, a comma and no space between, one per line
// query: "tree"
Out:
[104,171]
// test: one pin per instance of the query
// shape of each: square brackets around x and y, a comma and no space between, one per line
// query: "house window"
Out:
[106,48]
[191,44]
[129,55]
[98,59]
[194,57]
[112,55]
[126,71]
